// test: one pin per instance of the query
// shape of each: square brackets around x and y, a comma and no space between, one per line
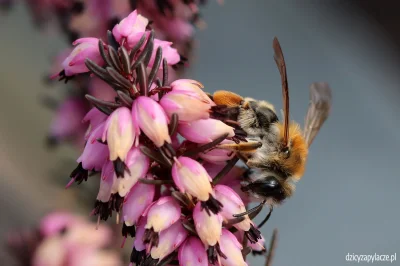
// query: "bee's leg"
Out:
[243,147]
[230,164]
[271,208]
[253,163]
[205,147]
[243,157]
[249,212]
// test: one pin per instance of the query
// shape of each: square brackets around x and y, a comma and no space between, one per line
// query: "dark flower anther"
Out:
[128,230]
[78,175]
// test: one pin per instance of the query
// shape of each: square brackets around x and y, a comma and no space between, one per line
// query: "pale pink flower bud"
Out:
[193,252]
[119,133]
[170,54]
[205,130]
[131,28]
[188,105]
[191,177]
[232,248]
[218,156]
[152,120]
[139,198]
[85,48]
[162,214]
[170,239]
[137,164]
[95,153]
[208,226]
[233,204]
[108,183]
[193,86]
[107,199]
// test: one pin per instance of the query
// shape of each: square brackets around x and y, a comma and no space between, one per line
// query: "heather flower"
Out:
[136,202]
[233,204]
[160,215]
[208,227]
[75,62]
[137,165]
[190,106]
[130,28]
[139,247]
[120,134]
[189,176]
[152,120]
[193,252]
[169,53]
[108,184]
[95,153]
[231,246]
[169,240]
[193,86]
[205,130]
[257,248]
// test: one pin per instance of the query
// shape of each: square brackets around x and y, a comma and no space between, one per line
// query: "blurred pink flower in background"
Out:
[65,239]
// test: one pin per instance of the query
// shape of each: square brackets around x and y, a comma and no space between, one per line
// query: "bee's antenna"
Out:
[280,63]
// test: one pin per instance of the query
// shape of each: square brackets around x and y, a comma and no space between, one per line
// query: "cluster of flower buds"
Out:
[173,21]
[63,239]
[155,148]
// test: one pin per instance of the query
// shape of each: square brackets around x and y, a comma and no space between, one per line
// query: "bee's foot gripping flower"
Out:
[163,188]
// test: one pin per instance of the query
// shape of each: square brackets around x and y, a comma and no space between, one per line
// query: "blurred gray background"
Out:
[347,202]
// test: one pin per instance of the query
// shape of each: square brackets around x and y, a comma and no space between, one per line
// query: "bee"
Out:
[275,152]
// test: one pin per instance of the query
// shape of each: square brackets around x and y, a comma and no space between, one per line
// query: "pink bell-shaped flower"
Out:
[86,48]
[191,177]
[152,120]
[193,252]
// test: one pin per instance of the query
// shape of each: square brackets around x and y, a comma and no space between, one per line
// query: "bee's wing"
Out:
[318,110]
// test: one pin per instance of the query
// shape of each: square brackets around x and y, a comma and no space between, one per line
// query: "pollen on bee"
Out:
[227,98]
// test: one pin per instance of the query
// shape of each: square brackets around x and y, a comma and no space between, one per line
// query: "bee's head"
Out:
[292,153]
[263,184]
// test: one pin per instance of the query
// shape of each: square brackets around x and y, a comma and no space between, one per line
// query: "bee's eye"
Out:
[286,152]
